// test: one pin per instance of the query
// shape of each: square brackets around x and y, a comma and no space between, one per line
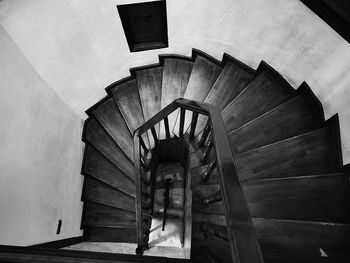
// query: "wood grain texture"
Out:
[324,198]
[203,76]
[310,153]
[102,193]
[110,117]
[291,118]
[176,74]
[300,241]
[264,93]
[127,97]
[98,166]
[98,215]
[97,136]
[111,234]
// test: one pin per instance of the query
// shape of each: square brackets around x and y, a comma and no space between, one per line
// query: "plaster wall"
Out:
[40,155]
[78,46]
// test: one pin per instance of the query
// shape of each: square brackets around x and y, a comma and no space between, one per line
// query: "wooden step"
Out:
[47,255]
[323,198]
[111,234]
[149,81]
[315,152]
[204,73]
[233,78]
[101,168]
[294,117]
[97,136]
[202,191]
[109,116]
[127,97]
[176,73]
[97,191]
[291,240]
[266,91]
[300,241]
[100,215]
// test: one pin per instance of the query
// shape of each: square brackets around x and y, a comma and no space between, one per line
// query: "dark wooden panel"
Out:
[101,140]
[264,93]
[111,234]
[96,214]
[109,116]
[300,240]
[98,166]
[324,198]
[102,193]
[292,118]
[202,191]
[310,153]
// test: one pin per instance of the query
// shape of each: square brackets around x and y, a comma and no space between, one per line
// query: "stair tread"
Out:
[289,119]
[96,214]
[127,97]
[204,73]
[110,117]
[100,192]
[176,74]
[309,153]
[323,198]
[98,166]
[111,234]
[97,136]
[264,93]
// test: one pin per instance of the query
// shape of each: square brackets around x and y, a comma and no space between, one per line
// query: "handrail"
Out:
[244,243]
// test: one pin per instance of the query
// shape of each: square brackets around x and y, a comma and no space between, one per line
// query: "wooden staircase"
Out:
[287,157]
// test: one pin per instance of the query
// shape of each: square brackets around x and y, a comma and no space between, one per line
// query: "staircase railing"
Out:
[242,236]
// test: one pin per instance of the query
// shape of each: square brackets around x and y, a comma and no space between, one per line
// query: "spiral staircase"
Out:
[287,158]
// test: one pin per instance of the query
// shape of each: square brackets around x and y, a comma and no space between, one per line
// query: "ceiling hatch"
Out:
[145,25]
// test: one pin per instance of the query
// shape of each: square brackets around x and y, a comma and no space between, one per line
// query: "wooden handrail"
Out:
[244,243]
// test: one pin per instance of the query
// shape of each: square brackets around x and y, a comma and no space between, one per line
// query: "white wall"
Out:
[40,155]
[78,46]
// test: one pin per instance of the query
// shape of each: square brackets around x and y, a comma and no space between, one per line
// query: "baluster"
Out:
[166,125]
[182,122]
[193,124]
[205,134]
[216,197]
[143,145]
[209,170]
[154,134]
[207,150]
